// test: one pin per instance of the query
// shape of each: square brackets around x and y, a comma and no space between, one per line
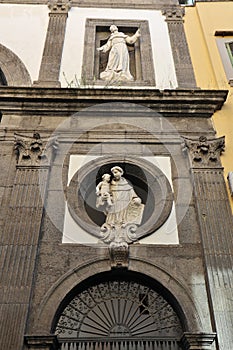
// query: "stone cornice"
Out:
[137,4]
[65,102]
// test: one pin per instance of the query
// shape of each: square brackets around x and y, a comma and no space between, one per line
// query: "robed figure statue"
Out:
[117,68]
[119,201]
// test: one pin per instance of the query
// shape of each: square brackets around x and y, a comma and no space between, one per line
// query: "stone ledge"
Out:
[64,101]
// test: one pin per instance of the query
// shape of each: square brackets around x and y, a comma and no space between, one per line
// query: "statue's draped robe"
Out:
[118,60]
[122,194]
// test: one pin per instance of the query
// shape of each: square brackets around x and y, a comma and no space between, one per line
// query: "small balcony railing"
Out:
[118,344]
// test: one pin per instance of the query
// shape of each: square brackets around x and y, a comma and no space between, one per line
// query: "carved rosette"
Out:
[174,14]
[34,151]
[59,6]
[205,153]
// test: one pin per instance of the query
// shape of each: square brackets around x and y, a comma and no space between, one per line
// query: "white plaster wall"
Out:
[23,30]
[166,234]
[71,65]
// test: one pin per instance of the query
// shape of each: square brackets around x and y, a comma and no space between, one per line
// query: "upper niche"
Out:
[148,182]
[140,54]
[102,35]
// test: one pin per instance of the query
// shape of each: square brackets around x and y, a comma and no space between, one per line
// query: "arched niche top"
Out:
[14,70]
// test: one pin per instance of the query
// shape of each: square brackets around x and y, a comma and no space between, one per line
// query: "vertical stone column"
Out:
[183,65]
[51,59]
[19,240]
[215,220]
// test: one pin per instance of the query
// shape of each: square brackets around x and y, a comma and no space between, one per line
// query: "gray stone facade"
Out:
[47,269]
[56,295]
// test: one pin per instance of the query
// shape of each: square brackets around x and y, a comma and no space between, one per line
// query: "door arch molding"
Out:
[119,303]
[44,318]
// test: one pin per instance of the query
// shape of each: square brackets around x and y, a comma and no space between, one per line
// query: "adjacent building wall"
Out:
[201,23]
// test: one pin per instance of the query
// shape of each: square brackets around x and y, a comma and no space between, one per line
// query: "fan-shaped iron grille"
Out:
[122,309]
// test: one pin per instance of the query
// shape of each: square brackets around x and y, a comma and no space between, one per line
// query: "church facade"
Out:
[116,224]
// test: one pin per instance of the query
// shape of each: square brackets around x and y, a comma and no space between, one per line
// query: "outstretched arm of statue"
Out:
[132,39]
[106,47]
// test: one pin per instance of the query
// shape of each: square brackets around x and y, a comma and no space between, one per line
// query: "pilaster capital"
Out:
[197,341]
[59,6]
[34,151]
[203,152]
[174,14]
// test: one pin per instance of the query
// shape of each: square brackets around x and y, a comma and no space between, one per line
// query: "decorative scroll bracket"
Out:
[119,238]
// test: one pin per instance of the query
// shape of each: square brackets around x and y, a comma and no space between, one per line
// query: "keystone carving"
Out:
[59,6]
[204,152]
[34,151]
[174,14]
[119,254]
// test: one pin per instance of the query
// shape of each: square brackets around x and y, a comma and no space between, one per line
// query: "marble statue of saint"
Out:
[118,60]
[126,207]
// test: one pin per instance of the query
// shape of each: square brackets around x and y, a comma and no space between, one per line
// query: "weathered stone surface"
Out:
[60,267]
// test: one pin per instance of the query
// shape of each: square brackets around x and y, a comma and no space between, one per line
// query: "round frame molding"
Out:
[157,208]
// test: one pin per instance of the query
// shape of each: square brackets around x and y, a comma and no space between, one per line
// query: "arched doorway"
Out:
[119,310]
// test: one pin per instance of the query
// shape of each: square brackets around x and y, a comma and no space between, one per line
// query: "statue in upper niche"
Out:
[118,61]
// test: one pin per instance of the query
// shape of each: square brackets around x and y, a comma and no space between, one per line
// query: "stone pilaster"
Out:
[20,237]
[183,65]
[51,59]
[215,220]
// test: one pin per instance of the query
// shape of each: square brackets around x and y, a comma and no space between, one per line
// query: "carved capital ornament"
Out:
[59,6]
[34,151]
[203,152]
[173,14]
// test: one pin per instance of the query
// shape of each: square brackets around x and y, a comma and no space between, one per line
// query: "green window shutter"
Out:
[229,47]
